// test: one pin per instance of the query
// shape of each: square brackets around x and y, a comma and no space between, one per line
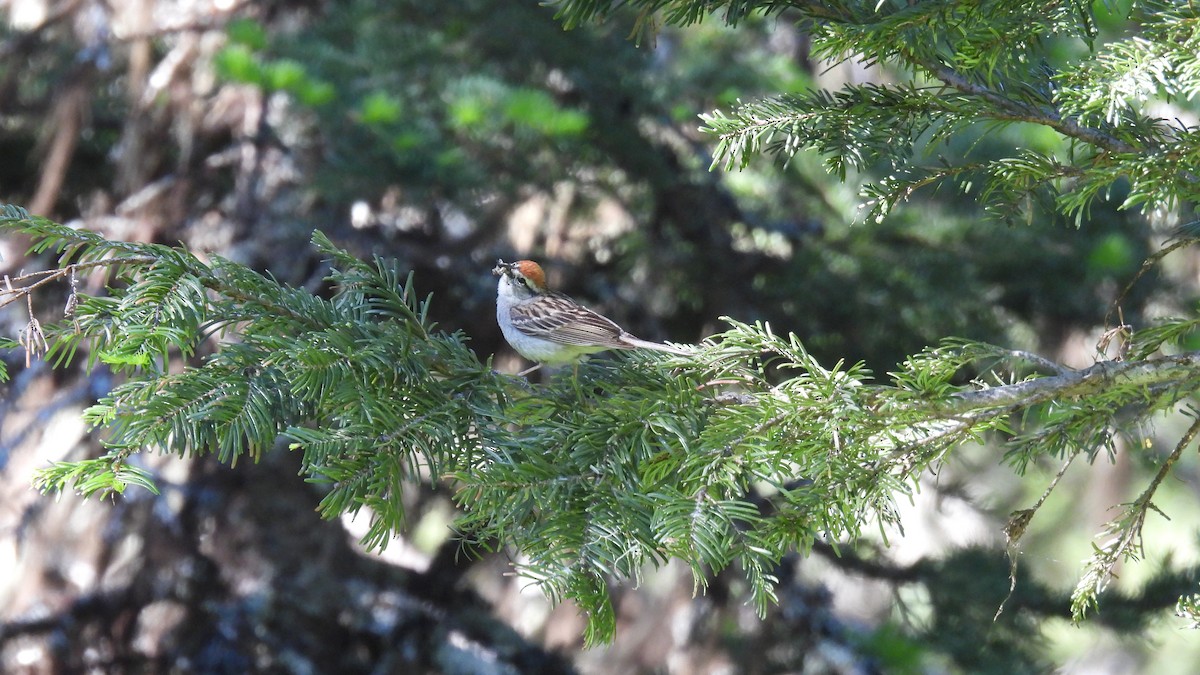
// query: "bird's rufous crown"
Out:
[531,271]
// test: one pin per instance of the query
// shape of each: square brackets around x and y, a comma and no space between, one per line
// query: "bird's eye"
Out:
[524,281]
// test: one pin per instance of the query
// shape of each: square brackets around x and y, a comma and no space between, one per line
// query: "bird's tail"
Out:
[656,346]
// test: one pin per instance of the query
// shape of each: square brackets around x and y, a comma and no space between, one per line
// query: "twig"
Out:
[1128,529]
[1188,436]
[1147,265]
[1014,529]
[16,293]
[1039,361]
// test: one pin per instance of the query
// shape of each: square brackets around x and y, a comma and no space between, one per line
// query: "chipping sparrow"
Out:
[551,328]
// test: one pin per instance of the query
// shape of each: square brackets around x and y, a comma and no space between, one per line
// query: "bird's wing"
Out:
[557,318]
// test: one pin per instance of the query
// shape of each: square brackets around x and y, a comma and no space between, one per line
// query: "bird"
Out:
[548,327]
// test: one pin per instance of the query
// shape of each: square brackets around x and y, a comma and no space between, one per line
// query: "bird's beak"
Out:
[501,268]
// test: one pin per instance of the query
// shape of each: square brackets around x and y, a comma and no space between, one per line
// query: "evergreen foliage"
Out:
[966,64]
[737,456]
[971,64]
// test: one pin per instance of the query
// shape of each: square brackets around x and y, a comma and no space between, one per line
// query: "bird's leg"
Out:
[529,370]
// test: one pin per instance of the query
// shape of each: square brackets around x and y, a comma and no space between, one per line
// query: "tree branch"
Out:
[1073,384]
[1015,110]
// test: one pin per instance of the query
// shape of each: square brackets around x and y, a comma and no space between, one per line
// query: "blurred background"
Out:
[450,134]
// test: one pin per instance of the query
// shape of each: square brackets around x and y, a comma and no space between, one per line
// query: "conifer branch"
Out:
[1124,535]
[640,460]
[1179,370]
[655,458]
[1012,110]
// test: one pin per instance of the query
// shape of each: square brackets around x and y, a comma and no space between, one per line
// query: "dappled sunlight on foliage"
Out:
[937,261]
